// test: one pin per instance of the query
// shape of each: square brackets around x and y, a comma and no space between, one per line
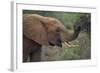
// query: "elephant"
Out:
[41,30]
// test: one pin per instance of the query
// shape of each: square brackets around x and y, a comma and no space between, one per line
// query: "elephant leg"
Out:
[35,56]
[27,45]
[25,56]
[26,52]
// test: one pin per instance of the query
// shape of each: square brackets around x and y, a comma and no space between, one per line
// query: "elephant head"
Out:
[47,30]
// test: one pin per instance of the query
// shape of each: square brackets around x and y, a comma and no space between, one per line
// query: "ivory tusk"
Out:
[67,44]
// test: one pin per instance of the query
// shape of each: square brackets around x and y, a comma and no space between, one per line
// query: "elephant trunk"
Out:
[68,36]
[72,36]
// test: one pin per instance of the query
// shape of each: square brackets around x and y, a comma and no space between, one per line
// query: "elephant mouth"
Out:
[51,44]
[58,43]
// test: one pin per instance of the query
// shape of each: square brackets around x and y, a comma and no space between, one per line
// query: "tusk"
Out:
[67,44]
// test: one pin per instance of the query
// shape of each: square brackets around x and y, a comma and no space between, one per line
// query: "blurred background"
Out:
[83,42]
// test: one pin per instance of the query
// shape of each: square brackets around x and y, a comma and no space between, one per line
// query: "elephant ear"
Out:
[34,30]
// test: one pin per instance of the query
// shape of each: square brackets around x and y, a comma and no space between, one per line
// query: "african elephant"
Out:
[40,30]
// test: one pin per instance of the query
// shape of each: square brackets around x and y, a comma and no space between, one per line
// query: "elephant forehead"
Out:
[58,24]
[54,24]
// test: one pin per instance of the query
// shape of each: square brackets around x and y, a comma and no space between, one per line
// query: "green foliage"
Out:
[71,53]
